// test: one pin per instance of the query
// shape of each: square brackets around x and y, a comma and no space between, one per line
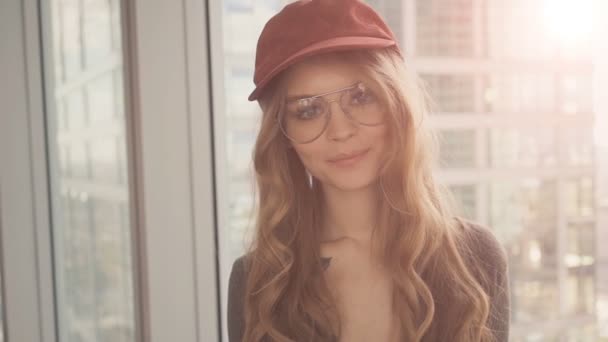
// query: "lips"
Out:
[347,156]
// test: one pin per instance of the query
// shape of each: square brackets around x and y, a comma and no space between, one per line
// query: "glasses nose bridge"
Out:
[338,99]
[338,126]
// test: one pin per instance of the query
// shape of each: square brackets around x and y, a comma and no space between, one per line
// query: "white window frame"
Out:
[27,295]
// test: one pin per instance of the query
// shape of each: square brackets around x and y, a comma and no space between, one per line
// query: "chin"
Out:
[352,182]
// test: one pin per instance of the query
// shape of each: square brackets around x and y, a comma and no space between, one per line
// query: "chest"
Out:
[363,293]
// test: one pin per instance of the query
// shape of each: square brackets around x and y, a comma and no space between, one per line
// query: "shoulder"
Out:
[237,272]
[236,298]
[487,260]
[483,247]
[484,255]
[238,279]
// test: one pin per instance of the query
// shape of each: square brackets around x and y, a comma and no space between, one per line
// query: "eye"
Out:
[306,109]
[361,96]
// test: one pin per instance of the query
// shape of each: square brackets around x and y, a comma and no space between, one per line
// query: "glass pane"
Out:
[576,148]
[576,93]
[90,191]
[515,92]
[457,148]
[392,12]
[444,27]
[580,263]
[535,30]
[242,23]
[578,198]
[507,21]
[522,147]
[466,200]
[524,215]
[451,93]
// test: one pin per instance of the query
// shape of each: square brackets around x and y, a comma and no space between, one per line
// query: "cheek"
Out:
[378,137]
[310,155]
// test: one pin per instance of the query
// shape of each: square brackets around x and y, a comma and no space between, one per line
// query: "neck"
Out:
[350,214]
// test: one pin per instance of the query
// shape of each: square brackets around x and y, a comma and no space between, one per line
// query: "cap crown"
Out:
[309,27]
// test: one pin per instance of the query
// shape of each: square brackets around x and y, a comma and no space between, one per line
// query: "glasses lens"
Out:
[363,105]
[305,119]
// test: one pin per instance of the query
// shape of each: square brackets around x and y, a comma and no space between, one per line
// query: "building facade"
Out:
[515,117]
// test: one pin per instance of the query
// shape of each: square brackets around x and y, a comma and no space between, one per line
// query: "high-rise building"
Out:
[514,113]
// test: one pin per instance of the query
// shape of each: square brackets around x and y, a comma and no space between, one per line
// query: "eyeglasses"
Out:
[304,120]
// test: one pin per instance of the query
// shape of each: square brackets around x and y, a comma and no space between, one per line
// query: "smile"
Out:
[349,160]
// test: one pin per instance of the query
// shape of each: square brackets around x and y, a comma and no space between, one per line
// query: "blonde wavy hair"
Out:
[438,295]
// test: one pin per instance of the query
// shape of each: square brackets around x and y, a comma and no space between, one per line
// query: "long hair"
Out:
[437,295]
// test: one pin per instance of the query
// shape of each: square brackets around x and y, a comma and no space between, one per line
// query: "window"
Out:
[238,5]
[518,165]
[241,119]
[457,148]
[515,30]
[524,215]
[576,148]
[580,263]
[522,147]
[578,195]
[575,94]
[90,190]
[238,86]
[393,13]
[517,92]
[451,93]
[466,200]
[444,28]
[534,30]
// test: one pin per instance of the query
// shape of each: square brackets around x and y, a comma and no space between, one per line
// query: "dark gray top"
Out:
[490,255]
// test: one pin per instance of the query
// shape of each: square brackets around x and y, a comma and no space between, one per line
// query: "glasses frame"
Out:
[327,114]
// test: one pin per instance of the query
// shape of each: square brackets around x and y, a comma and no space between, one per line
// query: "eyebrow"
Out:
[305,96]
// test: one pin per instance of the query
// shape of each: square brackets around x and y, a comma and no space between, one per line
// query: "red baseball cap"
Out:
[311,27]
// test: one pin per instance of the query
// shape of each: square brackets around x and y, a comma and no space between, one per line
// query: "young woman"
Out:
[354,239]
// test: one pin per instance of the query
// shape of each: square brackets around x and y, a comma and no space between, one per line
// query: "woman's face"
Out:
[343,136]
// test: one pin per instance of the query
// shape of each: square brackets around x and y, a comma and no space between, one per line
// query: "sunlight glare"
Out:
[568,22]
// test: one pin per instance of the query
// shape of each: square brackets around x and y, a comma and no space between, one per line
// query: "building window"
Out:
[466,200]
[89,177]
[578,198]
[533,93]
[522,147]
[457,148]
[444,28]
[451,93]
[575,92]
[523,214]
[576,146]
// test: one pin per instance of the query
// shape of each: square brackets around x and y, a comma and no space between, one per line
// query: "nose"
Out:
[340,126]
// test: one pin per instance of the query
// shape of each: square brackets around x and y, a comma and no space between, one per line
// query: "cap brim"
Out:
[334,44]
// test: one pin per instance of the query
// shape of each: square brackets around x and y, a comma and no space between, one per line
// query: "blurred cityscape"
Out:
[514,108]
